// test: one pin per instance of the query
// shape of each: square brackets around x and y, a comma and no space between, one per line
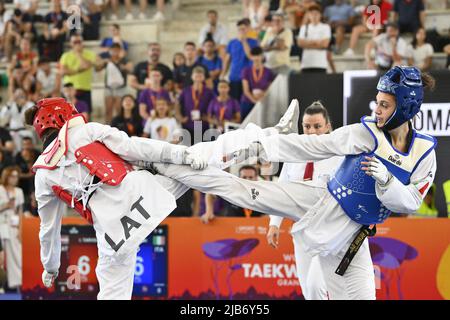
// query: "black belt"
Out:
[363,233]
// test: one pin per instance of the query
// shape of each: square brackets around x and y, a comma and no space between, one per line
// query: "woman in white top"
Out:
[421,52]
[11,209]
[314,37]
[309,271]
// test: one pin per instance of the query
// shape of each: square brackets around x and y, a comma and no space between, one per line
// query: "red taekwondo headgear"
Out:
[52,113]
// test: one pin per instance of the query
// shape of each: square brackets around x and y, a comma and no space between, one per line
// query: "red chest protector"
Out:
[101,162]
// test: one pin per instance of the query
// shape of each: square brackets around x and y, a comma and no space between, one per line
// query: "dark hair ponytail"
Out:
[318,108]
[428,81]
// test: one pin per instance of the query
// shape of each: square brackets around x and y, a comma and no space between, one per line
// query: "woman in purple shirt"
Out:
[147,98]
[223,108]
[194,101]
[255,81]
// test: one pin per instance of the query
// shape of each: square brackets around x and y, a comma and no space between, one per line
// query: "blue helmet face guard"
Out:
[405,83]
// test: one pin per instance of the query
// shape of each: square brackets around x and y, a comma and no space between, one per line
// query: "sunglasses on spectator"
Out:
[76,42]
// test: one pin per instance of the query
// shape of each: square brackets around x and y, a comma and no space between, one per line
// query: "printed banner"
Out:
[230,259]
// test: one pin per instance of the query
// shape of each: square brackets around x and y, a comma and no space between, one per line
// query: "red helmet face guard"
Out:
[52,113]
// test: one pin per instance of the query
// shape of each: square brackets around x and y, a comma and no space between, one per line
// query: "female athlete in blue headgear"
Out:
[388,167]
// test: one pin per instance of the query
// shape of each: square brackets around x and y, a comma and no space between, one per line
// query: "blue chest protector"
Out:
[354,190]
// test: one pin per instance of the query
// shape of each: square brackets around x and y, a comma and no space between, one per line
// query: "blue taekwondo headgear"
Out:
[405,83]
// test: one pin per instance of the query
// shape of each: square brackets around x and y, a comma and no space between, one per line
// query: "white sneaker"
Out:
[129,16]
[159,16]
[142,16]
[289,121]
[349,53]
[113,17]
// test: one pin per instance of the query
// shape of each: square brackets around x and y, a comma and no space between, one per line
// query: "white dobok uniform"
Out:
[309,270]
[322,227]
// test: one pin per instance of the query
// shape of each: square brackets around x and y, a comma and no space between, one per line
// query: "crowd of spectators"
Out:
[214,80]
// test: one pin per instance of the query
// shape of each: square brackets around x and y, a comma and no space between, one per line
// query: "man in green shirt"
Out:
[77,67]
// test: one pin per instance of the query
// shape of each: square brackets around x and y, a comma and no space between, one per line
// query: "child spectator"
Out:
[194,101]
[70,94]
[255,81]
[238,58]
[223,108]
[154,90]
[161,125]
[128,119]
[211,60]
[183,76]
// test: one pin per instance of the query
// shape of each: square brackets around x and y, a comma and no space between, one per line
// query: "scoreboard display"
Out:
[79,256]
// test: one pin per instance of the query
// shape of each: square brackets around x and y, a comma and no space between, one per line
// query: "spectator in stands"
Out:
[409,15]
[51,42]
[11,210]
[421,52]
[115,37]
[154,90]
[223,108]
[48,80]
[16,28]
[214,30]
[91,15]
[162,125]
[128,119]
[179,69]
[5,136]
[77,67]
[211,60]
[159,16]
[370,22]
[256,11]
[142,69]
[294,21]
[25,160]
[117,69]
[30,208]
[183,74]
[238,58]
[70,94]
[255,81]
[277,44]
[12,117]
[340,16]
[25,78]
[6,160]
[194,101]
[314,38]
[390,49]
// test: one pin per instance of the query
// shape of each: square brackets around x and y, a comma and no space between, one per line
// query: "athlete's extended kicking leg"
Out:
[282,199]
[233,141]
